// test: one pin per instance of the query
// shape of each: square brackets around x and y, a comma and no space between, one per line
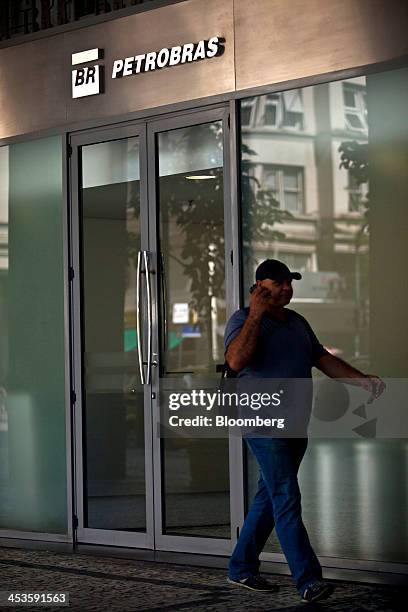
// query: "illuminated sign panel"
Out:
[87,80]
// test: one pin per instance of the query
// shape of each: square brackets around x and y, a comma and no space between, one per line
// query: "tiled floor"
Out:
[105,583]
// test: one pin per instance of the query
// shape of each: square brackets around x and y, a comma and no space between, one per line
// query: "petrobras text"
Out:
[168,56]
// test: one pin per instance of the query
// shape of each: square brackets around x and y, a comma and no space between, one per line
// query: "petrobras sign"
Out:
[87,80]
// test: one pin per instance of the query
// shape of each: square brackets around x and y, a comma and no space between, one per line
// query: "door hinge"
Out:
[71,273]
[229,121]
[237,533]
[232,258]
[69,150]
[75,521]
[73,396]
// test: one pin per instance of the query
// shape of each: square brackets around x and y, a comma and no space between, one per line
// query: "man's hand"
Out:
[260,301]
[374,385]
[241,349]
[337,368]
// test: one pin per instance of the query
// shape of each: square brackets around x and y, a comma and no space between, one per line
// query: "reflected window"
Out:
[248,112]
[286,186]
[357,193]
[296,261]
[355,107]
[271,110]
[293,109]
[283,110]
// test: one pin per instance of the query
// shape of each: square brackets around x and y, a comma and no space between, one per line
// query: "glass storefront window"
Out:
[33,484]
[329,198]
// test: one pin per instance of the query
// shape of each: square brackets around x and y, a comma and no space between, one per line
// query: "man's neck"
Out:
[277,312]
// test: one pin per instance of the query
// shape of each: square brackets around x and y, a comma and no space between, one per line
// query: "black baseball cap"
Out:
[275,270]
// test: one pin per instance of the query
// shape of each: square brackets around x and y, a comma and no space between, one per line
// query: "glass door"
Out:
[149,305]
[113,425]
[188,195]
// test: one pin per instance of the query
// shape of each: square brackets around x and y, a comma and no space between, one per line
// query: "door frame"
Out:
[146,129]
[87,534]
[180,543]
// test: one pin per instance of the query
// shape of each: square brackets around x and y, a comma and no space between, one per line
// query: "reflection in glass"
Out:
[114,419]
[347,487]
[328,196]
[192,309]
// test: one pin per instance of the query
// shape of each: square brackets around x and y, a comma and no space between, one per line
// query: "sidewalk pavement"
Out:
[105,583]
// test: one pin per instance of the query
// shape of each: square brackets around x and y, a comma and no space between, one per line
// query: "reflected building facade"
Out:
[307,148]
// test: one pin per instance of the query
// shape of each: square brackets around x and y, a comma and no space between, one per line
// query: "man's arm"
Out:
[334,367]
[337,368]
[241,349]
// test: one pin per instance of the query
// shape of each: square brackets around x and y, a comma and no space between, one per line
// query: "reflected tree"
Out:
[200,220]
[354,159]
[203,252]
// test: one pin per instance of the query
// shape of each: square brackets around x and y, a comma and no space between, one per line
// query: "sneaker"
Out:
[255,583]
[317,590]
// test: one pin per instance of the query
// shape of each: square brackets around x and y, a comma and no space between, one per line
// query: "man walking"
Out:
[268,340]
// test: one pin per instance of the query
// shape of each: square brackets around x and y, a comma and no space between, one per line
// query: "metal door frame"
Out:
[86,534]
[146,130]
[182,543]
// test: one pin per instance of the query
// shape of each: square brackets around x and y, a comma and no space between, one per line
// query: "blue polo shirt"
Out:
[286,349]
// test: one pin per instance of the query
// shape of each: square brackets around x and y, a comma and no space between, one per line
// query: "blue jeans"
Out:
[276,504]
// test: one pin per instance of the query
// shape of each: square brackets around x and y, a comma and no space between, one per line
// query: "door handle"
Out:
[144,255]
[149,318]
[138,314]
[164,298]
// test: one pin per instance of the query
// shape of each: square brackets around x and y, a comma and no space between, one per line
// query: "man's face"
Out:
[281,291]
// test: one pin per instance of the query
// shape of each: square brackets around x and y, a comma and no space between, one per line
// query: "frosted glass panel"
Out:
[191,149]
[32,404]
[109,163]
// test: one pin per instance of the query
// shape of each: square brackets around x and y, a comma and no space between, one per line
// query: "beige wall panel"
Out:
[151,31]
[279,40]
[35,78]
[33,87]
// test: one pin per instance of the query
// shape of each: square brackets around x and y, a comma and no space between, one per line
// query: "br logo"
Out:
[86,81]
